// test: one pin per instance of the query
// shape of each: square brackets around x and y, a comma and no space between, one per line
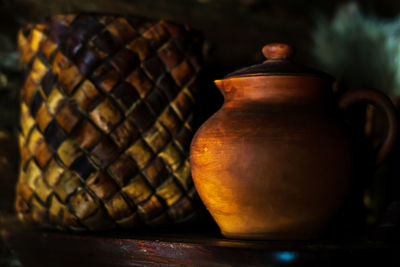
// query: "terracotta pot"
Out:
[275,162]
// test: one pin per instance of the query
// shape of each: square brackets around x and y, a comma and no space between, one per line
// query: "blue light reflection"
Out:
[285,256]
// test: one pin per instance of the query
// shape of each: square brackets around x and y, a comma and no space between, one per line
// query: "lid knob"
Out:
[277,51]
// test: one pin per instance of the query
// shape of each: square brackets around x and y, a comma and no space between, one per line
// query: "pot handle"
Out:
[380,101]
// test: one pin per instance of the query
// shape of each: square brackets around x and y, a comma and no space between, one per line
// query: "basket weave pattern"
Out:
[106,122]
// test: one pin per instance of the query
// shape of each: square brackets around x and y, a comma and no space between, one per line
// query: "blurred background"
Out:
[358,42]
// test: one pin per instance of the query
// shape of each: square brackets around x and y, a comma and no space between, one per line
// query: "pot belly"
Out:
[271,187]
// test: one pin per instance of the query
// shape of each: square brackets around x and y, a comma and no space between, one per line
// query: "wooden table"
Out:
[49,248]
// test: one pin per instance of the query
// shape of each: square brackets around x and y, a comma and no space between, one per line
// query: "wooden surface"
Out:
[34,248]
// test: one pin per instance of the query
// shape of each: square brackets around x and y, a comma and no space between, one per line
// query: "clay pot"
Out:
[276,161]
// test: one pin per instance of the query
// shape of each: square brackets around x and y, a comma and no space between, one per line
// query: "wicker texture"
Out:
[106,122]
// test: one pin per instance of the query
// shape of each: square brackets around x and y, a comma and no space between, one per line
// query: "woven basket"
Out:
[106,122]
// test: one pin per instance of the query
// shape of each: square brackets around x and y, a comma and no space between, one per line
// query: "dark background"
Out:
[234,30]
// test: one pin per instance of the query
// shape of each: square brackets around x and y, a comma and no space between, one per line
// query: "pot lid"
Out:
[278,62]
